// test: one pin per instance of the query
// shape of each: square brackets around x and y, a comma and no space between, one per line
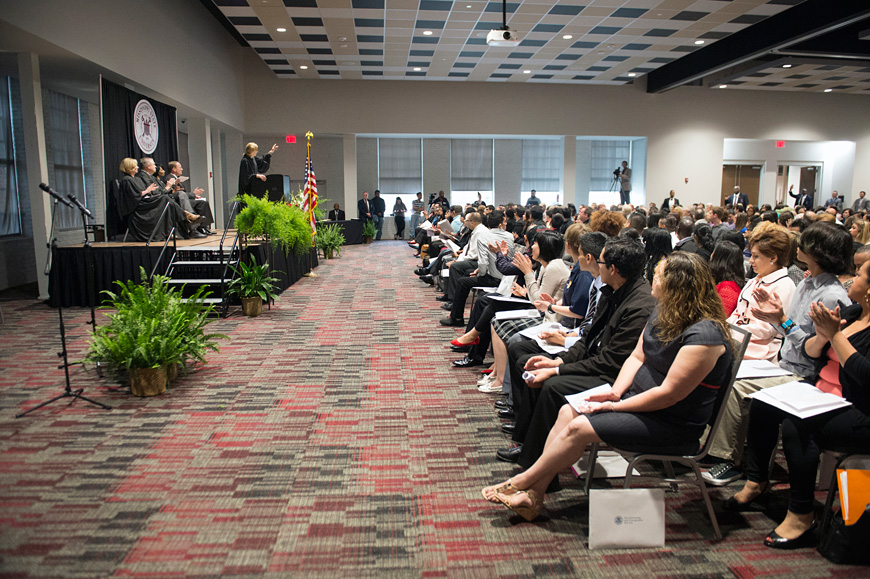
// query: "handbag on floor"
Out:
[846,544]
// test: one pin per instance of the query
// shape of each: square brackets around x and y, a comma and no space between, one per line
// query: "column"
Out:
[350,193]
[569,169]
[220,188]
[199,152]
[37,163]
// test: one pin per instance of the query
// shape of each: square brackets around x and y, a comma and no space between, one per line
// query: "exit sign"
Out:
[292,139]
[780,144]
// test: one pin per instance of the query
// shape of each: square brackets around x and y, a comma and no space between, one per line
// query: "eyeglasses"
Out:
[601,262]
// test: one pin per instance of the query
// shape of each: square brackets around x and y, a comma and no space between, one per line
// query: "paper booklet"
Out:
[549,326]
[516,314]
[426,225]
[182,179]
[511,299]
[800,399]
[504,287]
[453,247]
[759,369]
[578,400]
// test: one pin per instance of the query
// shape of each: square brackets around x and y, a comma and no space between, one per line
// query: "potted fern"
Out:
[369,231]
[283,223]
[152,332]
[253,285]
[329,238]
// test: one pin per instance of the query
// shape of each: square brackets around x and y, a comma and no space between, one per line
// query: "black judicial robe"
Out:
[249,168]
[142,212]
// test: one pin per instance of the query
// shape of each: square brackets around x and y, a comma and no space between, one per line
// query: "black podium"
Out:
[274,184]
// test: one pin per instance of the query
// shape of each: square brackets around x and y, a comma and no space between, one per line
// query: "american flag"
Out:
[309,194]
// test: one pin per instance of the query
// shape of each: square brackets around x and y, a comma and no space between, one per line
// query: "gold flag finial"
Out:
[308,135]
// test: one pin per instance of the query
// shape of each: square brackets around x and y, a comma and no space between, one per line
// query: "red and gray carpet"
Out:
[330,435]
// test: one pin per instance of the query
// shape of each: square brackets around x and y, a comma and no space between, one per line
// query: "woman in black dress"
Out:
[399,215]
[142,206]
[664,395]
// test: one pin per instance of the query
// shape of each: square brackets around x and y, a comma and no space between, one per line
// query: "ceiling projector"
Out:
[502,38]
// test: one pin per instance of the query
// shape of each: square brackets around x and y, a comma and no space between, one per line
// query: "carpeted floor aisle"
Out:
[330,435]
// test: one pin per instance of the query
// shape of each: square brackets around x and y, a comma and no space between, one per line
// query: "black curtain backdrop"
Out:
[119,141]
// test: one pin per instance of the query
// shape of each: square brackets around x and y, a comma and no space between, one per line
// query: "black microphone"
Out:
[55,194]
[78,204]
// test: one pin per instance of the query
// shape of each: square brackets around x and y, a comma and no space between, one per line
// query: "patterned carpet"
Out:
[329,435]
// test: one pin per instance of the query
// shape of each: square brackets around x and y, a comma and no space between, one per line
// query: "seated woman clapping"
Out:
[664,395]
[841,345]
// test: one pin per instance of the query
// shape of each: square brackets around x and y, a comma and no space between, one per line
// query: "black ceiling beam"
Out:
[798,24]
[844,42]
[216,12]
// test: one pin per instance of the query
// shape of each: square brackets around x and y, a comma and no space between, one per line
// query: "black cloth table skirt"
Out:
[352,230]
[121,263]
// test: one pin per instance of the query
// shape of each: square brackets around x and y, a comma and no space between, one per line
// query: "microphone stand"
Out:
[55,274]
[90,277]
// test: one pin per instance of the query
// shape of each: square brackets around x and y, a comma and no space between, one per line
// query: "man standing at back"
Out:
[624,184]
[417,217]
[861,203]
[364,207]
[378,209]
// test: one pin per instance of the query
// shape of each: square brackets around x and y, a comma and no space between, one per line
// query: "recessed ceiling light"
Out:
[468,5]
[342,38]
[699,42]
[601,52]
[281,29]
[342,45]
[417,69]
[828,89]
[786,66]
[567,36]
[723,86]
[632,74]
[303,67]
[527,72]
[427,33]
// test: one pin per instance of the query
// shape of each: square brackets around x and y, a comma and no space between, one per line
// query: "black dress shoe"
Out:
[509,427]
[467,362]
[196,235]
[443,298]
[807,539]
[455,322]
[502,404]
[506,413]
[461,349]
[447,307]
[421,271]
[427,279]
[510,455]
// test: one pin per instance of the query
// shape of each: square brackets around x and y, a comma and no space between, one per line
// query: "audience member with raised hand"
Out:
[663,396]
[841,347]
[824,248]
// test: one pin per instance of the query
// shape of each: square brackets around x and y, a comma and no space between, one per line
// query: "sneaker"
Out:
[489,388]
[485,380]
[722,474]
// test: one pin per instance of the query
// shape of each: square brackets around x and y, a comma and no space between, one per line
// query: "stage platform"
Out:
[120,261]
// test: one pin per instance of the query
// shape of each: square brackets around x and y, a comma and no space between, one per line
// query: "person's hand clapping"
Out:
[518,290]
[198,192]
[523,263]
[770,307]
[554,337]
[149,189]
[503,247]
[827,322]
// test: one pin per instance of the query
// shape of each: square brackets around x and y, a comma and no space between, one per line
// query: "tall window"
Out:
[471,169]
[542,170]
[64,124]
[400,171]
[10,208]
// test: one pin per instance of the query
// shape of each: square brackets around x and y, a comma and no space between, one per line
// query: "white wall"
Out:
[836,157]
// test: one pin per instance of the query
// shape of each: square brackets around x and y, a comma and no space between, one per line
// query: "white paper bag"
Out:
[624,518]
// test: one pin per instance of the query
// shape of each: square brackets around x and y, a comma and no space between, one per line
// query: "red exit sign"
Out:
[292,139]
[780,144]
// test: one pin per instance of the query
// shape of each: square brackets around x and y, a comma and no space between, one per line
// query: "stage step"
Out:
[211,301]
[209,262]
[195,281]
[215,248]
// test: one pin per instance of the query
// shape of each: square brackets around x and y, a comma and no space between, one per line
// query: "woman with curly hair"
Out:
[607,222]
[664,395]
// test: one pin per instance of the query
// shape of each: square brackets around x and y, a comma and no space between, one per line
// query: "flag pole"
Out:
[308,136]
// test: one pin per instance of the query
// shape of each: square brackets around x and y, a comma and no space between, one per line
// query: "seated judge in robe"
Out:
[148,175]
[253,167]
[336,214]
[143,204]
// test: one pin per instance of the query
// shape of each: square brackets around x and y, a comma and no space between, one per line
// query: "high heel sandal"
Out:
[506,488]
[529,513]
[757,504]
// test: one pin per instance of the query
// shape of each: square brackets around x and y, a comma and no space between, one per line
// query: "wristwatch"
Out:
[550,308]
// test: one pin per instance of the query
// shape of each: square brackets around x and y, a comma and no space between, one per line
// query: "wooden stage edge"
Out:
[212,241]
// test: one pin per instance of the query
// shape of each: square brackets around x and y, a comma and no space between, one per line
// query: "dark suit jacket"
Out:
[336,215]
[807,200]
[669,203]
[742,198]
[361,209]
[613,333]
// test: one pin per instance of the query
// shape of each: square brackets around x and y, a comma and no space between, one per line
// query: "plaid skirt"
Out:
[506,329]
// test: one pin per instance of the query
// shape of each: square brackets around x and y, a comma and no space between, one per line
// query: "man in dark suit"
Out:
[685,232]
[802,199]
[146,177]
[671,202]
[378,210]
[198,203]
[364,207]
[737,198]
[336,214]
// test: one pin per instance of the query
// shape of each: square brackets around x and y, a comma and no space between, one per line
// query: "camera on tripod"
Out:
[616,173]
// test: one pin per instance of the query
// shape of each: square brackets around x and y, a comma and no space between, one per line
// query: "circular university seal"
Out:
[145,126]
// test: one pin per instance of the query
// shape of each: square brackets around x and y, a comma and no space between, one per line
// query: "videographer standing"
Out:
[624,176]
